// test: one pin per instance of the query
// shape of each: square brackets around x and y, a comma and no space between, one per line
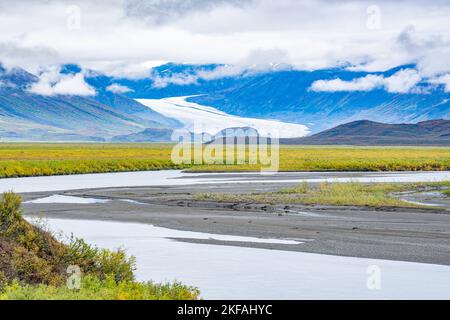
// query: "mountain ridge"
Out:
[367,132]
[286,95]
[280,94]
[26,116]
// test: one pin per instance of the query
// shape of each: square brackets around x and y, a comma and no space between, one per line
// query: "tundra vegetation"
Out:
[22,159]
[34,265]
[335,194]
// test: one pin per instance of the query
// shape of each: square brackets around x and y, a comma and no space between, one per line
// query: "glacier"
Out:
[198,118]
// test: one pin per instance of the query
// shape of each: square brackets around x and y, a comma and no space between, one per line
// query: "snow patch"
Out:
[66,199]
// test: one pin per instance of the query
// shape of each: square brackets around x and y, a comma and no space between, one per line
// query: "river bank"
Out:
[405,234]
[297,243]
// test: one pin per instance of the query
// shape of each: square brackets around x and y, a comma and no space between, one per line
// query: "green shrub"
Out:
[30,268]
[339,194]
[93,288]
[33,265]
[10,213]
[116,264]
[3,280]
[100,262]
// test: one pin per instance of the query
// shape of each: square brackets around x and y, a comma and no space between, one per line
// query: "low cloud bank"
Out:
[117,88]
[52,82]
[404,81]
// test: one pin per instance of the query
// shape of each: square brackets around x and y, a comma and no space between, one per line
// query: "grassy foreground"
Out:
[337,194]
[38,159]
[349,158]
[34,266]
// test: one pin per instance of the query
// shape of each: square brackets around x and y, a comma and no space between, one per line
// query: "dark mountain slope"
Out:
[124,104]
[364,132]
[28,116]
[147,135]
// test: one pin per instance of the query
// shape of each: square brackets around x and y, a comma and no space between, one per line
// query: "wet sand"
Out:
[417,235]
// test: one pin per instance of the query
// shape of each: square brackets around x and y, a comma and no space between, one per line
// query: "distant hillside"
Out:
[25,116]
[365,132]
[165,135]
[148,135]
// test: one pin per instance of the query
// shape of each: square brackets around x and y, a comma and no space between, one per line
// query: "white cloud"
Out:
[181,79]
[14,54]
[403,81]
[258,61]
[442,80]
[192,78]
[163,11]
[117,88]
[119,36]
[52,82]
[367,83]
[124,68]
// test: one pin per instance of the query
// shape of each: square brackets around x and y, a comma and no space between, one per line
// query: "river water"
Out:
[231,272]
[176,177]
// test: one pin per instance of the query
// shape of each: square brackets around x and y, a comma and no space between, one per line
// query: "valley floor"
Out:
[403,234]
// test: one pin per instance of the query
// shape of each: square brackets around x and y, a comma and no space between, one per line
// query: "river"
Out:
[239,272]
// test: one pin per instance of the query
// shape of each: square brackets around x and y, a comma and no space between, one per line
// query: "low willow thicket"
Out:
[333,193]
[33,265]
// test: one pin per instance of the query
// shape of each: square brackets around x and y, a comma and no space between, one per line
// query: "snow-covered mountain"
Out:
[285,94]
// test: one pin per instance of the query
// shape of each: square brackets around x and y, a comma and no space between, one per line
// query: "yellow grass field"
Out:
[335,194]
[38,159]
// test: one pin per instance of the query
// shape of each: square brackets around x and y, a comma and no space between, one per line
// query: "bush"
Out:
[93,288]
[3,281]
[33,265]
[116,264]
[334,194]
[100,262]
[10,213]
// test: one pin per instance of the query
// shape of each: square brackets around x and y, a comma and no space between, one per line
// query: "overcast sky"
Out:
[127,37]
